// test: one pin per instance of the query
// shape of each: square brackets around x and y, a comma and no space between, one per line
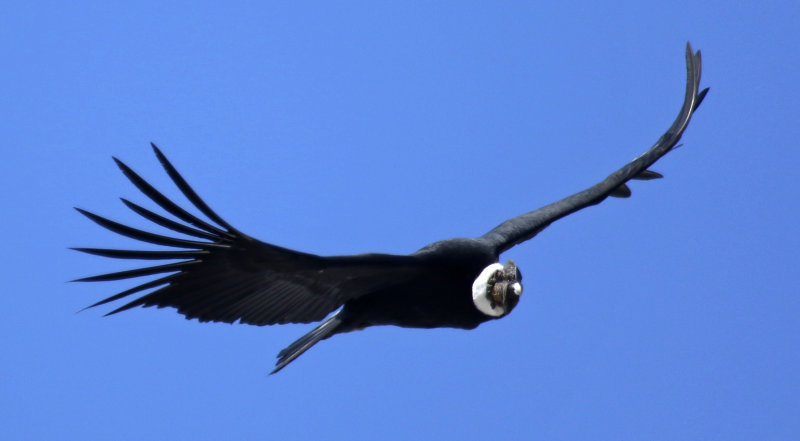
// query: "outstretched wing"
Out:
[526,226]
[223,275]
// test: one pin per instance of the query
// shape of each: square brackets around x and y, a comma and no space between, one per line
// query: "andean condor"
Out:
[224,275]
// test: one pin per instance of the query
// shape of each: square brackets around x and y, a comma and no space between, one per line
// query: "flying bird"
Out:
[216,273]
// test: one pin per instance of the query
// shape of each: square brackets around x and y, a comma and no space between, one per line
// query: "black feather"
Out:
[147,271]
[142,287]
[164,202]
[647,175]
[700,97]
[623,191]
[168,223]
[143,255]
[188,191]
[145,236]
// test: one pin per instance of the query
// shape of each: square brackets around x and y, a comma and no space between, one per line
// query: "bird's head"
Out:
[497,289]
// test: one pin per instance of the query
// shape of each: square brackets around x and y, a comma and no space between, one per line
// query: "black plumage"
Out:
[224,275]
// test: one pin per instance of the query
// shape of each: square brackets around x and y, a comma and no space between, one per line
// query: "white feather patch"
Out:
[480,295]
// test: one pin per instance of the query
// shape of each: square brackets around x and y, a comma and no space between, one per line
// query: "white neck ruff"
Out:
[480,294]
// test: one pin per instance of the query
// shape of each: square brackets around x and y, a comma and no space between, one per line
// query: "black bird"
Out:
[224,275]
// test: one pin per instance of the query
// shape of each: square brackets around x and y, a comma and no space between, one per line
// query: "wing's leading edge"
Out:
[524,227]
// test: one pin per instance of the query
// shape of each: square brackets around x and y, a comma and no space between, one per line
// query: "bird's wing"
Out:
[223,275]
[526,226]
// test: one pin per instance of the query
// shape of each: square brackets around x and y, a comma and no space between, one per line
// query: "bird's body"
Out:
[221,274]
[433,297]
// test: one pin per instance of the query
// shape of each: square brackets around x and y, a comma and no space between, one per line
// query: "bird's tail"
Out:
[304,343]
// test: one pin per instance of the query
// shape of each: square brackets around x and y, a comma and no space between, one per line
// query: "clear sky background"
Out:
[348,127]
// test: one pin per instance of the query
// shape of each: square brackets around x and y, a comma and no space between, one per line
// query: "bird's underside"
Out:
[214,272]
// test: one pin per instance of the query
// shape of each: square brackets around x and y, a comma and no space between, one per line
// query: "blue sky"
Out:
[351,127]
